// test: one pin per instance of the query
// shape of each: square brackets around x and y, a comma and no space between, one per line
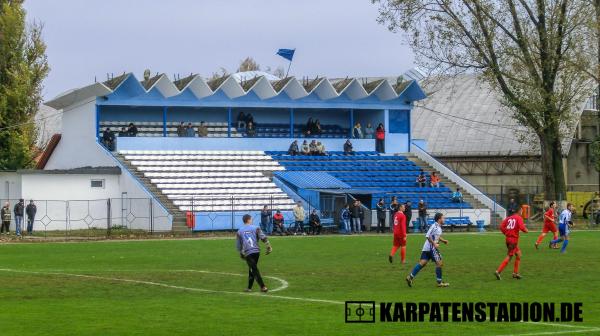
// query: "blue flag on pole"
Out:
[288,54]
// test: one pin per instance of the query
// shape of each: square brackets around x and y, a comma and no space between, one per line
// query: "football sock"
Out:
[438,274]
[517,262]
[555,235]
[540,238]
[503,264]
[416,270]
[403,253]
[394,250]
[564,246]
[556,241]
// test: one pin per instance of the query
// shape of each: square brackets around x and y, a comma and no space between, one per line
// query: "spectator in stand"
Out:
[513,207]
[394,206]
[320,148]
[434,180]
[361,217]
[317,130]
[369,131]
[181,130]
[345,216]
[123,132]
[380,139]
[355,214]
[293,150]
[250,130]
[19,211]
[202,130]
[408,212]
[250,119]
[5,218]
[314,223]
[190,132]
[457,196]
[299,216]
[132,130]
[357,132]
[305,148]
[108,139]
[348,148]
[309,128]
[313,148]
[265,220]
[279,224]
[422,215]
[241,120]
[380,215]
[30,210]
[421,179]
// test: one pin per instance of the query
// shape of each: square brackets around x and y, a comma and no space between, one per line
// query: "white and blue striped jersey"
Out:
[434,232]
[565,217]
[247,240]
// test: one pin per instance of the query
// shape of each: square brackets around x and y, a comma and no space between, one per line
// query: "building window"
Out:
[97,184]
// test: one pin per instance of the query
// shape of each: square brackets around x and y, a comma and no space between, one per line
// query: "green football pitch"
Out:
[195,286]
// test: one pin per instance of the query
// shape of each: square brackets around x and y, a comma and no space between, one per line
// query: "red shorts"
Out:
[399,240]
[512,244]
[549,227]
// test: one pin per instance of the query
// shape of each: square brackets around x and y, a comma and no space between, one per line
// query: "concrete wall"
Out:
[10,185]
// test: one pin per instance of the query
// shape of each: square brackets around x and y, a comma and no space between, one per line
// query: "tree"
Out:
[248,64]
[529,51]
[23,67]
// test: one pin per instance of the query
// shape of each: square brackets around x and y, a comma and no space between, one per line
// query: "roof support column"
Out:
[164,121]
[351,122]
[229,122]
[291,122]
[98,122]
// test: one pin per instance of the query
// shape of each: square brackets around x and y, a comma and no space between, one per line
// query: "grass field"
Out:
[153,287]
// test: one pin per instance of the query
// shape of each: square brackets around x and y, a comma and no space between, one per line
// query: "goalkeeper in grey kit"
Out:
[248,237]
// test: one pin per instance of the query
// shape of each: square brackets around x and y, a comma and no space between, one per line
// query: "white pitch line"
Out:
[588,330]
[284,284]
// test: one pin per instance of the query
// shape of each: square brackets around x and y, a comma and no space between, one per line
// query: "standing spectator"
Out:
[317,130]
[345,216]
[380,215]
[19,210]
[310,125]
[434,180]
[241,120]
[513,207]
[314,222]
[320,148]
[313,148]
[457,196]
[380,139]
[299,216]
[348,148]
[394,206]
[422,215]
[357,132]
[250,119]
[190,132]
[132,130]
[202,130]
[408,212]
[293,150]
[265,220]
[5,217]
[250,130]
[181,130]
[421,180]
[30,210]
[305,148]
[361,216]
[108,139]
[279,224]
[355,214]
[369,131]
[123,132]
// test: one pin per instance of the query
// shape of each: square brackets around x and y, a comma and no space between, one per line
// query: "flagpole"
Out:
[288,70]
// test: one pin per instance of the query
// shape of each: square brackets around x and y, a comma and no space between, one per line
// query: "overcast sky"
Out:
[334,38]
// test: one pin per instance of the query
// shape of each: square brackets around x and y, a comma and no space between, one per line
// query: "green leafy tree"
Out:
[529,51]
[23,67]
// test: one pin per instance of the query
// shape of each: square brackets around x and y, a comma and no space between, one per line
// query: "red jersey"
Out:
[549,213]
[511,226]
[400,224]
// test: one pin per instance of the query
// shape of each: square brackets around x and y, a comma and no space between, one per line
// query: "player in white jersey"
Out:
[431,251]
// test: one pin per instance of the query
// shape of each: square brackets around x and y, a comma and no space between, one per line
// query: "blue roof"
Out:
[312,180]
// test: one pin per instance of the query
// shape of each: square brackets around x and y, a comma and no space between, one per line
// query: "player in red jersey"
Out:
[549,225]
[511,226]
[399,235]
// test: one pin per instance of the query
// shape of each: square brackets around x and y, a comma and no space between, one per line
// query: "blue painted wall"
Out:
[227,220]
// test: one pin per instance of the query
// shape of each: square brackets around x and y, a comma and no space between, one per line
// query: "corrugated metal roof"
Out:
[312,180]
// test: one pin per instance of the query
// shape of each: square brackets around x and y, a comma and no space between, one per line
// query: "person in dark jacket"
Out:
[30,210]
[181,130]
[513,207]
[241,120]
[250,130]
[123,132]
[265,220]
[108,139]
[132,130]
[394,206]
[278,224]
[293,150]
[19,211]
[314,222]
[422,215]
[380,215]
[348,150]
[408,212]
[361,216]
[355,215]
[5,218]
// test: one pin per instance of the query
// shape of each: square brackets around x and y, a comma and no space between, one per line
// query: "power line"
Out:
[470,120]
[30,122]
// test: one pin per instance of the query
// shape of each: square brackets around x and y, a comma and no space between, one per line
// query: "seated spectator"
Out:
[108,139]
[317,130]
[190,132]
[241,120]
[421,179]
[305,148]
[369,131]
[250,130]
[457,196]
[313,148]
[181,130]
[202,130]
[279,224]
[123,132]
[293,150]
[132,130]
[320,148]
[348,148]
[357,132]
[314,223]
[380,139]
[434,180]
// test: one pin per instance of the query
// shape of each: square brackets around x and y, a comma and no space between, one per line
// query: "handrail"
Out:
[451,175]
